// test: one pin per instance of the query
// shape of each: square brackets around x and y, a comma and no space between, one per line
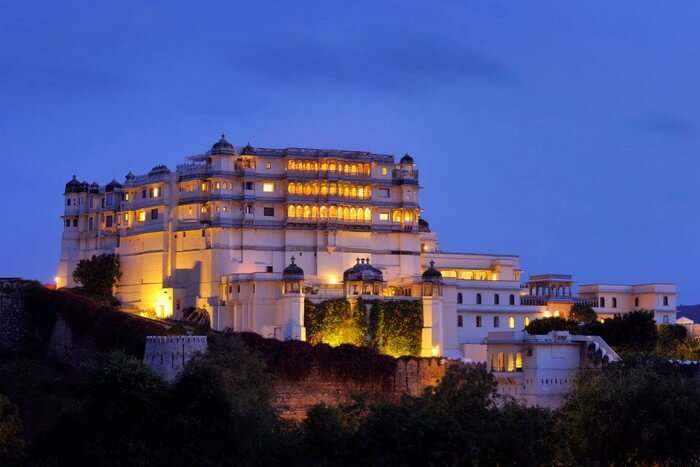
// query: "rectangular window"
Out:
[155,192]
[203,186]
[108,221]
[143,193]
[385,192]
[75,222]
[384,216]
[478,321]
[109,200]
[142,216]
[67,222]
[269,212]
[268,268]
[249,209]
[90,222]
[248,185]
[385,171]
[268,187]
[460,321]
[126,196]
[154,214]
[68,202]
[268,165]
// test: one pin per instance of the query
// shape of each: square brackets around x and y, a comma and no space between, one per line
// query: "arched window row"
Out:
[344,213]
[344,190]
[348,168]
[507,361]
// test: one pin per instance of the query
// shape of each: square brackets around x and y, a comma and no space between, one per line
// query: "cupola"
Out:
[292,278]
[76,186]
[363,279]
[112,186]
[222,147]
[432,281]
[406,159]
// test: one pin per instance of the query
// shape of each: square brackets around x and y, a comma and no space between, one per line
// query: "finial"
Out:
[432,263]
[223,136]
[358,260]
[292,259]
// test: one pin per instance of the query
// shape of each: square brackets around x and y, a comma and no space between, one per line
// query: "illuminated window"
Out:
[396,216]
[385,171]
[203,186]
[290,211]
[518,361]
[142,216]
[126,217]
[511,322]
[218,185]
[323,212]
[126,196]
[511,362]
[526,320]
[249,209]
[268,187]
[203,209]
[368,215]
[384,216]
[268,165]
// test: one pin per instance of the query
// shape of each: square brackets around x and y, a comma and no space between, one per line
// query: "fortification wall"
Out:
[168,355]
[293,399]
[13,320]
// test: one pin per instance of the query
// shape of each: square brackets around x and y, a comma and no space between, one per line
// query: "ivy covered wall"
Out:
[391,327]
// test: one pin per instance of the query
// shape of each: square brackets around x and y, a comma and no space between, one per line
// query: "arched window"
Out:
[353,169]
[602,302]
[314,212]
[290,211]
[496,299]
[368,215]
[300,211]
[614,302]
[478,321]
[496,321]
[511,322]
[526,320]
[665,301]
[307,211]
[315,189]
[307,189]
[353,191]
[478,299]
[291,188]
[353,214]
[333,212]
[511,299]
[459,297]
[323,212]
[361,193]
[346,213]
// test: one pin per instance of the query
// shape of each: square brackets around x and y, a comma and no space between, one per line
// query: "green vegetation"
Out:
[583,313]
[390,327]
[98,274]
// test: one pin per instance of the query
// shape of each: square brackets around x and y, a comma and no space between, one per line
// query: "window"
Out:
[666,321]
[614,302]
[75,222]
[249,209]
[384,216]
[496,299]
[203,186]
[268,187]
[269,212]
[665,302]
[385,171]
[268,165]
[478,299]
[385,192]
[636,302]
[154,214]
[602,302]
[268,268]
[68,202]
[459,297]
[511,299]
[478,321]
[460,321]
[511,322]
[496,321]
[155,192]
[109,221]
[142,216]
[90,222]
[248,185]
[526,320]
[67,222]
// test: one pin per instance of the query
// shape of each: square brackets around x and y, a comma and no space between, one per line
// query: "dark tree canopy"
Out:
[583,313]
[98,274]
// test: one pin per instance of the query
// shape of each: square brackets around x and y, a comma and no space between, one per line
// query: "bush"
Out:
[12,444]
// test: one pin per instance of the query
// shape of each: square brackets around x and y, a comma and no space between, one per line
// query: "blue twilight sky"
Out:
[565,132]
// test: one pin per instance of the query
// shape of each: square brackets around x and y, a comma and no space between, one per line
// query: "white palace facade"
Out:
[249,233]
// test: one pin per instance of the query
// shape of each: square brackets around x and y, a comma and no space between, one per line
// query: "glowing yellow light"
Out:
[268,187]
[163,306]
[547,314]
[332,279]
[435,350]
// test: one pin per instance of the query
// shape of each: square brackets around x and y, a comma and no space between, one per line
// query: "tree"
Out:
[633,332]
[671,338]
[641,411]
[583,313]
[11,442]
[98,274]
[546,325]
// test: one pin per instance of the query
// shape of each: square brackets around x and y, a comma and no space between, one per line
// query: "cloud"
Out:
[666,123]
[389,64]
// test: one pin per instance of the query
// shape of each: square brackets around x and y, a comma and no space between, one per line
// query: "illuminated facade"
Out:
[218,232]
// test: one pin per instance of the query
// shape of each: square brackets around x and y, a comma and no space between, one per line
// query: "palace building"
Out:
[249,233]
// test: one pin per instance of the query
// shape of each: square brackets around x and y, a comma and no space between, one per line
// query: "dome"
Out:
[423,225]
[222,147]
[113,185]
[94,188]
[158,169]
[76,186]
[247,149]
[130,176]
[293,272]
[431,274]
[363,271]
[406,159]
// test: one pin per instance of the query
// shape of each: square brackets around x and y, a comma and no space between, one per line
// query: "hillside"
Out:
[689,311]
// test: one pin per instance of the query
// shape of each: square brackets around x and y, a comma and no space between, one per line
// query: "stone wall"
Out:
[168,355]
[293,399]
[13,320]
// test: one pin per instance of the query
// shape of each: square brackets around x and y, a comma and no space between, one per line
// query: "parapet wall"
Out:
[168,355]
